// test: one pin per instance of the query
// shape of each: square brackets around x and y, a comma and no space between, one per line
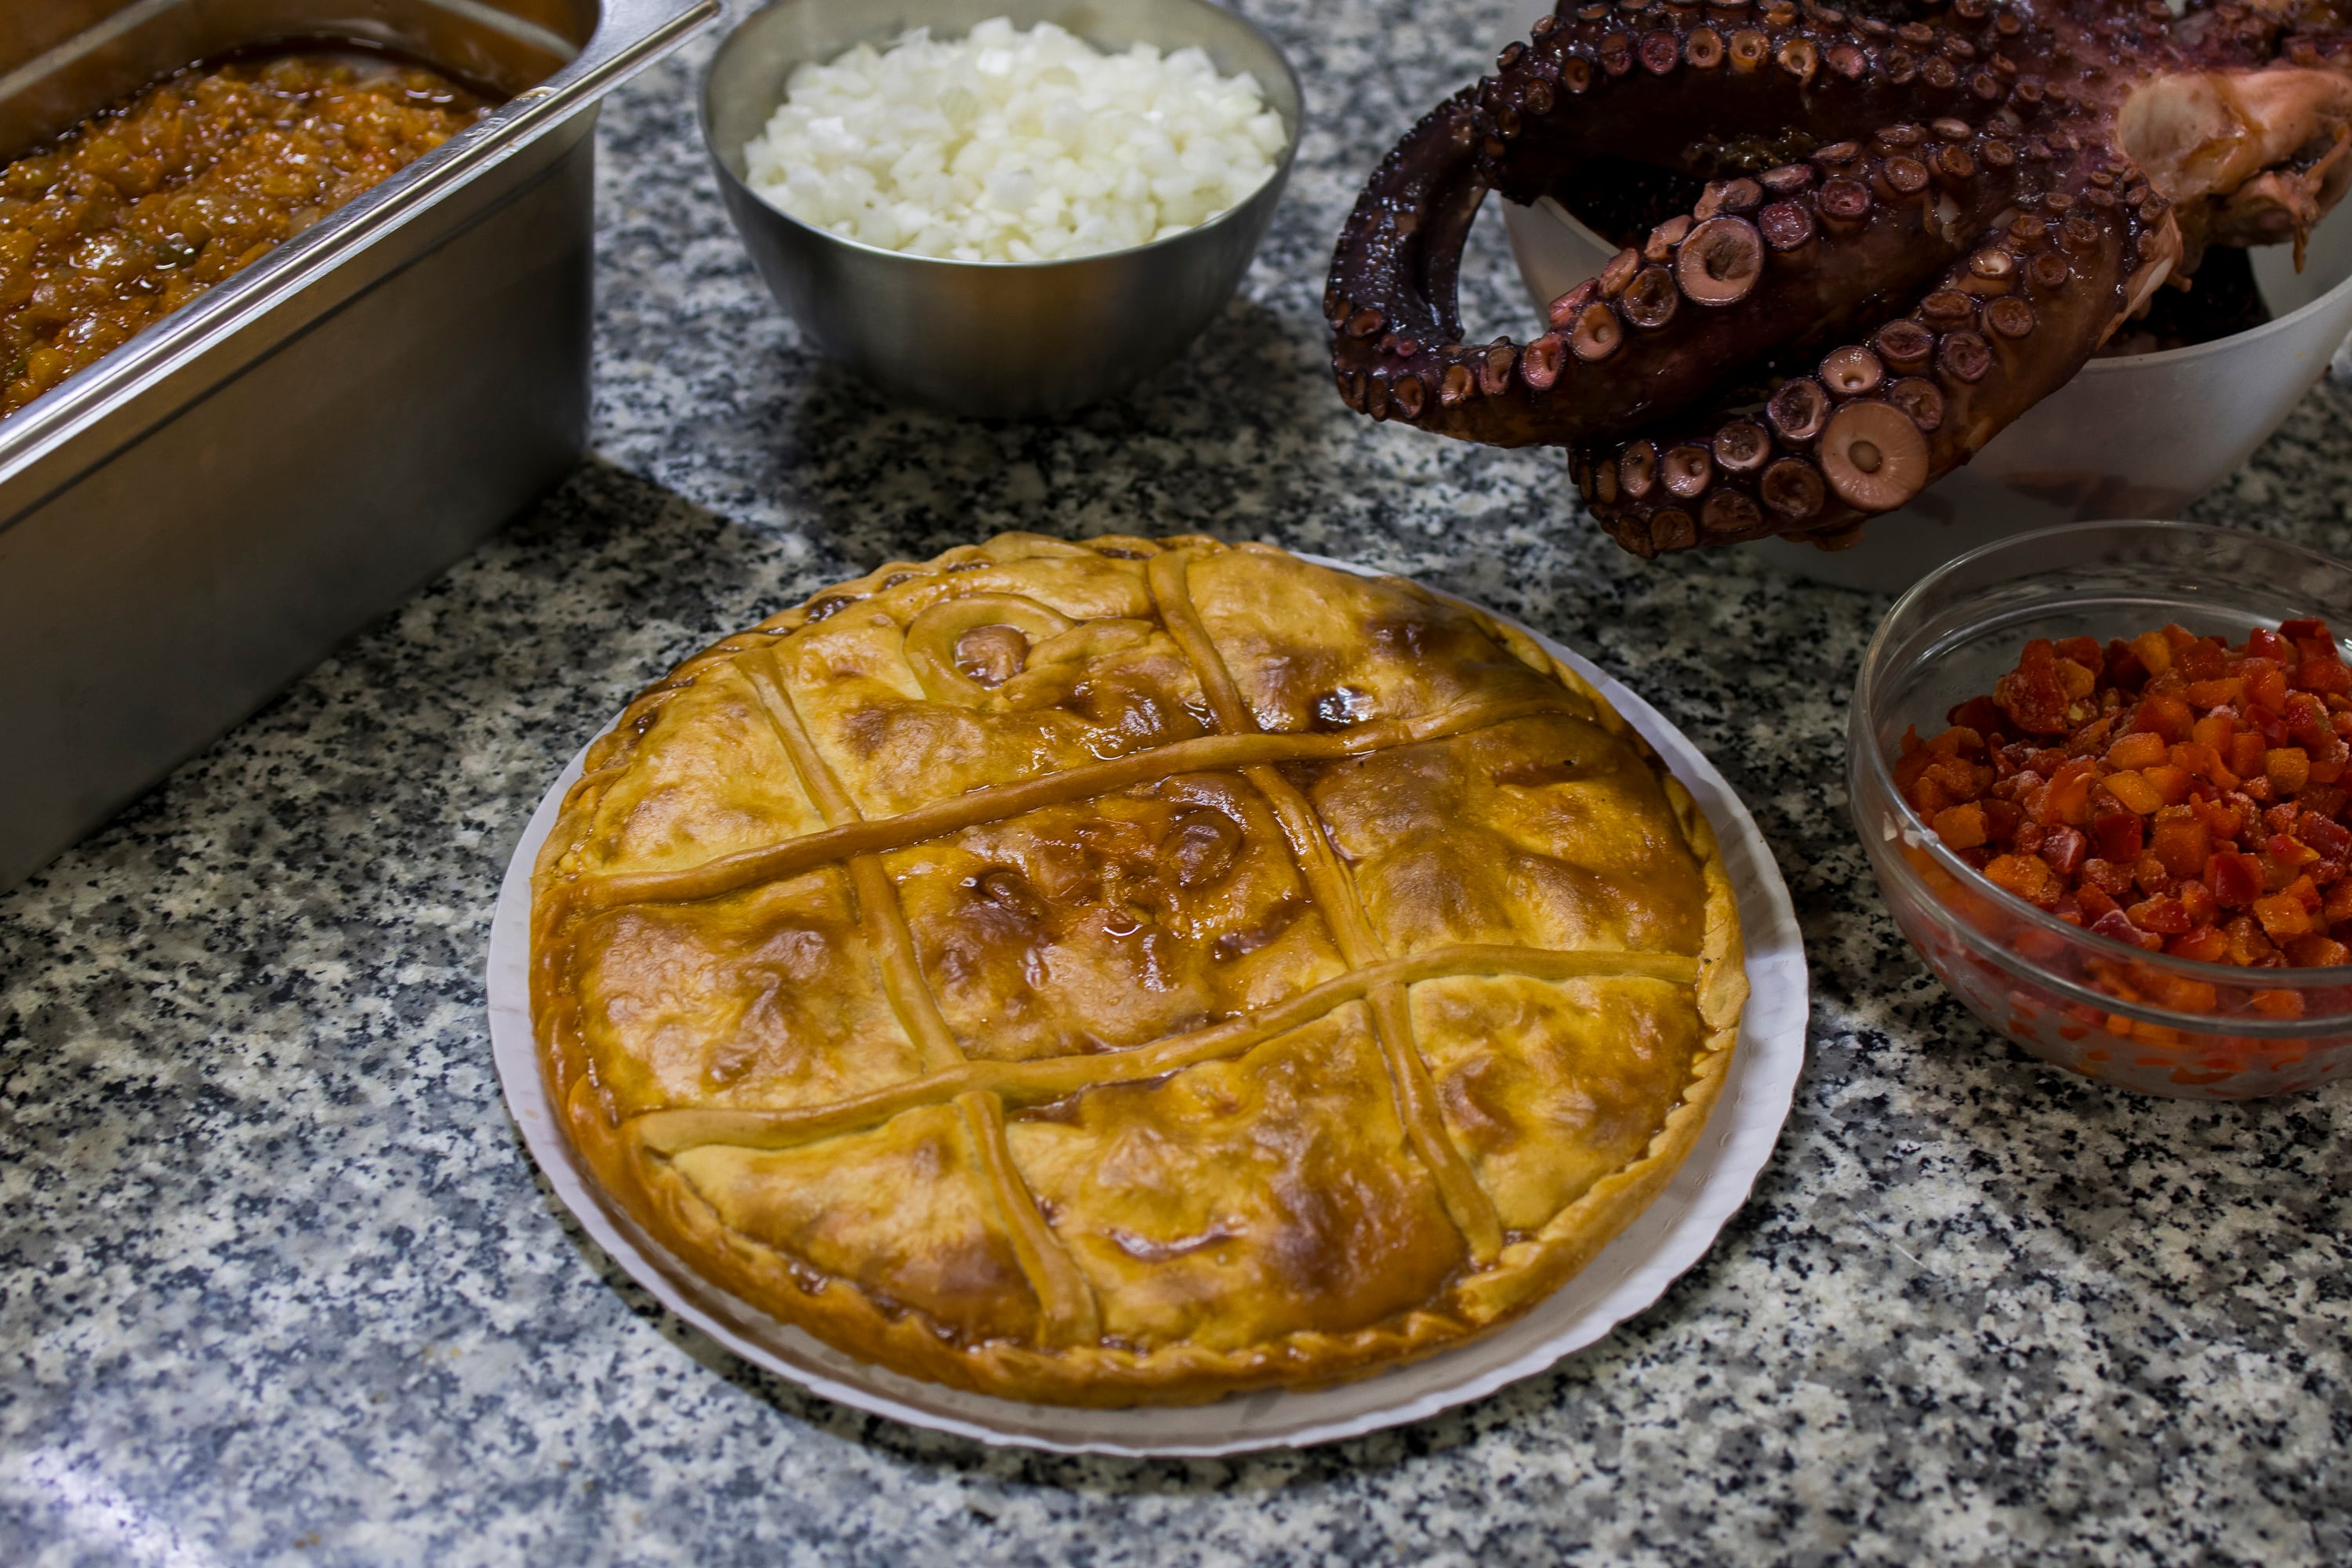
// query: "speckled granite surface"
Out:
[278,1283]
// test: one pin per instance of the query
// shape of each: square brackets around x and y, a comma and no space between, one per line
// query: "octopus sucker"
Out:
[1735,279]
[1868,429]
[1909,228]
[1874,456]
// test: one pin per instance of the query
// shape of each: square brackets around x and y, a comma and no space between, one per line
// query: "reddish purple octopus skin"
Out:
[1915,225]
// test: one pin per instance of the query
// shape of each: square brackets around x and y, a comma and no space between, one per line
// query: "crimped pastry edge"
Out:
[682,1223]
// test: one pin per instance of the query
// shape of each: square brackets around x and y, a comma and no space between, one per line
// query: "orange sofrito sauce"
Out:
[2172,792]
[145,205]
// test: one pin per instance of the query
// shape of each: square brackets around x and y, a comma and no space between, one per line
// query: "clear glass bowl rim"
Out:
[1865,754]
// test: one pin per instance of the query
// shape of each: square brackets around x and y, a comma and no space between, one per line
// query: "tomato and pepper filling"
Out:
[143,206]
[2172,792]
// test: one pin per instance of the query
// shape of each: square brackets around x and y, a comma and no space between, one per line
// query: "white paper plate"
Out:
[1630,1274]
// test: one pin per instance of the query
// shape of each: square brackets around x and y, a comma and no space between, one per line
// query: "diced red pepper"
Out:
[2205,945]
[2248,948]
[2317,952]
[2171,784]
[2167,716]
[2124,667]
[2222,818]
[2172,792]
[2139,749]
[2112,877]
[1977,713]
[1961,826]
[2288,768]
[2151,876]
[2203,659]
[2205,761]
[2064,850]
[2183,844]
[2161,914]
[2121,834]
[2329,758]
[2131,790]
[2290,854]
[2307,719]
[2283,916]
[2116,926]
[2322,671]
[2330,838]
[2236,878]
[2067,796]
[2028,877]
[2031,695]
[2265,688]
[2279,1004]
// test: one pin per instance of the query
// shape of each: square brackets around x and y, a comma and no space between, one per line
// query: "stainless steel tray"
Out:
[190,523]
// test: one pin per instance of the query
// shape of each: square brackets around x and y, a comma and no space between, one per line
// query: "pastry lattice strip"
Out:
[1330,891]
[1071,1312]
[876,835]
[1045,1079]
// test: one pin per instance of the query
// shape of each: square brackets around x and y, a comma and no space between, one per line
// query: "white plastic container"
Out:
[2141,436]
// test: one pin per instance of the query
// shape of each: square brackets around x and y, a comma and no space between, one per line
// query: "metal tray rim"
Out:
[630,35]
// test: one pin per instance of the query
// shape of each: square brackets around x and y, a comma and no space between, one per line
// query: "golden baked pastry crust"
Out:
[1132,972]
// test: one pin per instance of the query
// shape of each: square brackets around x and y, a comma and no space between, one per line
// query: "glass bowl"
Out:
[2139,1020]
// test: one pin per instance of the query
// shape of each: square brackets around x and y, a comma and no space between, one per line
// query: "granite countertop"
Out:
[278,1284]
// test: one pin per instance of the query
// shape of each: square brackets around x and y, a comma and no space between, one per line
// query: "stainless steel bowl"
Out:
[994,339]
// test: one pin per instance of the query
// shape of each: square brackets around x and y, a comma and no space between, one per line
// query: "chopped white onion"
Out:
[1013,146]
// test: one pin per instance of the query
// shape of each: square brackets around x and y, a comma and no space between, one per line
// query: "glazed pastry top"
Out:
[1130,971]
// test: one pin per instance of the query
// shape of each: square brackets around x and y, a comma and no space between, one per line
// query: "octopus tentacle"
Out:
[1798,252]
[1879,418]
[1825,242]
[1912,229]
